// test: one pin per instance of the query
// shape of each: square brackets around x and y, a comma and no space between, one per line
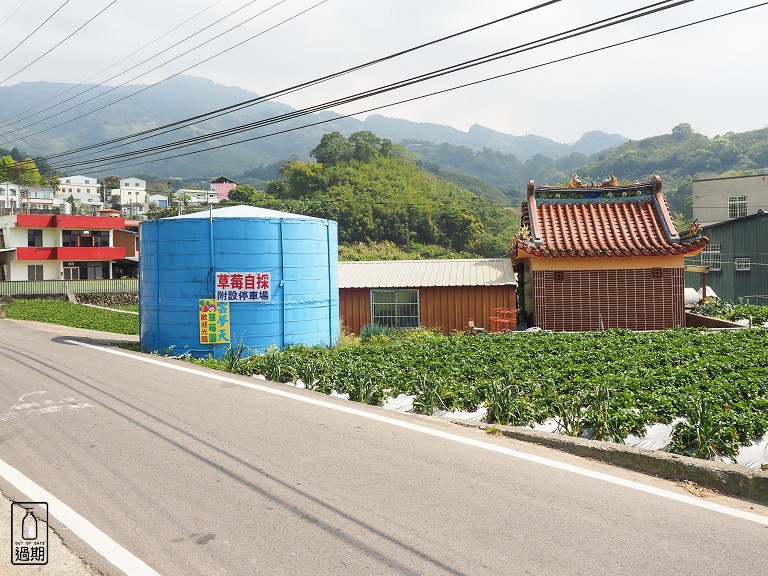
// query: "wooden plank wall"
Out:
[446,307]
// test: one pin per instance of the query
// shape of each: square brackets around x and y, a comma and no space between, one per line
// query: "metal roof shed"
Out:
[432,293]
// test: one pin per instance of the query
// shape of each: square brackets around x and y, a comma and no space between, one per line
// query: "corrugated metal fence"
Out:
[33,288]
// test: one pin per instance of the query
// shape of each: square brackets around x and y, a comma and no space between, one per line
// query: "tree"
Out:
[682,131]
[27,173]
[333,149]
[111,182]
[54,183]
[276,188]
[6,168]
[302,177]
[458,226]
[72,203]
[365,146]
[243,194]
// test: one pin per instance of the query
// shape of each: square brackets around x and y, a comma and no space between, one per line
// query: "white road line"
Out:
[87,532]
[449,436]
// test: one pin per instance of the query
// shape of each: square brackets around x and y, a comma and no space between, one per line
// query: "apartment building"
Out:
[56,247]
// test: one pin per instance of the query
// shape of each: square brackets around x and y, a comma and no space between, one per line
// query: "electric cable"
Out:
[112,89]
[12,13]
[236,107]
[595,26]
[117,164]
[193,35]
[75,86]
[33,31]
[20,70]
[271,96]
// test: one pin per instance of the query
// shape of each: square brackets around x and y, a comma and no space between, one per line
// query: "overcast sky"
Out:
[711,75]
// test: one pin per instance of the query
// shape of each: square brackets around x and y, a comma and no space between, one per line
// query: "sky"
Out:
[711,75]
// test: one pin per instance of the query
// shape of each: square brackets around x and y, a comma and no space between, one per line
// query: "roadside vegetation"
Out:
[606,385]
[69,314]
[733,311]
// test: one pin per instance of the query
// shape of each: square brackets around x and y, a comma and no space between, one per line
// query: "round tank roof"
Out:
[242,211]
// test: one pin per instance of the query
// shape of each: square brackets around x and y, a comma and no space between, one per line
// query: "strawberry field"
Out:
[712,385]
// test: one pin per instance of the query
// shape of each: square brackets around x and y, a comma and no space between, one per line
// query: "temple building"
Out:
[594,257]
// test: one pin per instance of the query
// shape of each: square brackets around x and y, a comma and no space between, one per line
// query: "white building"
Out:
[721,199]
[87,202]
[10,195]
[131,198]
[36,198]
[196,196]
[58,247]
[161,200]
[78,185]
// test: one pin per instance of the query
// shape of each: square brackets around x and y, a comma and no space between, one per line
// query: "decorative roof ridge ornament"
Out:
[694,229]
[608,188]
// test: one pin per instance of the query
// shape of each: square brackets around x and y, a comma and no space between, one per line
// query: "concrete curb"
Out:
[728,479]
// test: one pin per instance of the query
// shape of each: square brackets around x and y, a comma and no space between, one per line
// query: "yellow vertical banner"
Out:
[214,322]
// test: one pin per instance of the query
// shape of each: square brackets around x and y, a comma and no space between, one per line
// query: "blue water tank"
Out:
[181,257]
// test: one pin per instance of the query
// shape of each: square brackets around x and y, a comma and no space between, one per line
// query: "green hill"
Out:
[380,197]
[681,157]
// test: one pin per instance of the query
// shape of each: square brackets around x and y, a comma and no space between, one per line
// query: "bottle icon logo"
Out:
[29,533]
[29,525]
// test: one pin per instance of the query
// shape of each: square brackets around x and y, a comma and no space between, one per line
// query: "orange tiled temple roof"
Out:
[594,221]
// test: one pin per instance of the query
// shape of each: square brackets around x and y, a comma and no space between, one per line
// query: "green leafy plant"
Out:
[76,315]
[503,401]
[428,398]
[374,330]
[364,389]
[614,382]
[703,434]
[234,361]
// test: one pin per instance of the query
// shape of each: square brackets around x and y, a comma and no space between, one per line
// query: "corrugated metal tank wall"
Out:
[176,271]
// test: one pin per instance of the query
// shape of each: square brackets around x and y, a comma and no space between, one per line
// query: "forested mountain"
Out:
[505,172]
[681,157]
[27,110]
[376,192]
[678,157]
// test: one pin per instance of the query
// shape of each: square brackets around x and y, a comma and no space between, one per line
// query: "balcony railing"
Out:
[52,287]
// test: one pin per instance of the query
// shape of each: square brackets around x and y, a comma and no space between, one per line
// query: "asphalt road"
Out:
[194,475]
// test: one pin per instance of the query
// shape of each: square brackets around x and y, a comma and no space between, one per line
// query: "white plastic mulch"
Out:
[656,437]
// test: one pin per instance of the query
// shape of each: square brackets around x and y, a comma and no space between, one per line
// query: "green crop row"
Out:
[69,314]
[733,311]
[610,384]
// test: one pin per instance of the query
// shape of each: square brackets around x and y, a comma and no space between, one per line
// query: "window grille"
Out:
[737,206]
[710,257]
[743,264]
[395,308]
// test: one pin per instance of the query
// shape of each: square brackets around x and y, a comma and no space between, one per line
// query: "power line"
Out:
[595,26]
[33,31]
[12,13]
[157,68]
[194,34]
[7,120]
[477,82]
[245,104]
[59,44]
[430,75]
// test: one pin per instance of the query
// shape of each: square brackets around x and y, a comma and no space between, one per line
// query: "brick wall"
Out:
[637,299]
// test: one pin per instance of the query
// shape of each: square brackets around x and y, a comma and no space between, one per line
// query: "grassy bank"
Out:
[68,314]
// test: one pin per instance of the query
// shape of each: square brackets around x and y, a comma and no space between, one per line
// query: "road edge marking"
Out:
[602,476]
[105,546]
